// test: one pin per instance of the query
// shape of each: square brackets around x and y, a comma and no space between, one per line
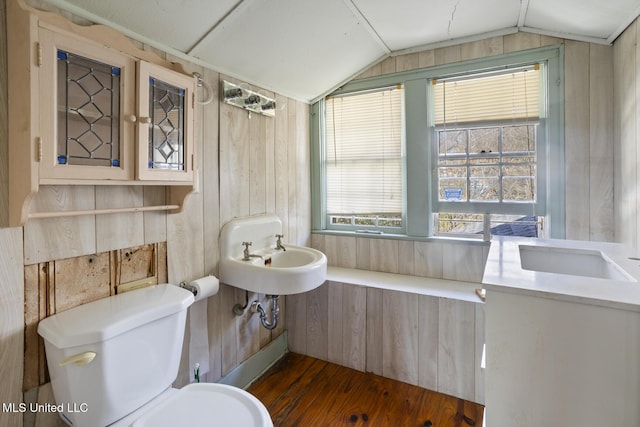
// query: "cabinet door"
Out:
[165,124]
[86,93]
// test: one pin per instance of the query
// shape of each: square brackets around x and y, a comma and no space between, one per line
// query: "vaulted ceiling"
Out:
[306,48]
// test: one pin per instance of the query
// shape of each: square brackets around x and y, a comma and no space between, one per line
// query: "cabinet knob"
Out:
[131,118]
[145,120]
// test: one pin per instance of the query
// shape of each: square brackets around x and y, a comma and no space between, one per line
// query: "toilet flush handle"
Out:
[81,359]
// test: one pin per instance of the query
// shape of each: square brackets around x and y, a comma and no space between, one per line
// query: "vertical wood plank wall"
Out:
[627,135]
[273,176]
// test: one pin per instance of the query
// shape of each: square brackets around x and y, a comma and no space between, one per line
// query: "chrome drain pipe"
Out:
[256,307]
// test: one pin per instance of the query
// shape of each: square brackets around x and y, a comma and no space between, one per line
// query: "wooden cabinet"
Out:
[89,108]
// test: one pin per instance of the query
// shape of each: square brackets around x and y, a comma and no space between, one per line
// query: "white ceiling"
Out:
[306,48]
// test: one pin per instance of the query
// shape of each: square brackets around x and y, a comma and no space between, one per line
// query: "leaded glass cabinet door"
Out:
[165,124]
[87,111]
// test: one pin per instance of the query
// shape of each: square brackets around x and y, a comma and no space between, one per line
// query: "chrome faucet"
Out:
[247,255]
[279,244]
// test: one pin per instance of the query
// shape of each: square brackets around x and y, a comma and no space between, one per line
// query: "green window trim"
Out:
[420,160]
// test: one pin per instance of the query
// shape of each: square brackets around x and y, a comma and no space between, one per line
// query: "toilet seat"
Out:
[206,404]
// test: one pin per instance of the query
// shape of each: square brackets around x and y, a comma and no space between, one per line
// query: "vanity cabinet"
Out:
[87,107]
[107,116]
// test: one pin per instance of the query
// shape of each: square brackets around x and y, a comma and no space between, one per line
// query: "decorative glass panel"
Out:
[166,130]
[88,112]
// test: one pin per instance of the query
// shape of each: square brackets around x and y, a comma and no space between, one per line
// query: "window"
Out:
[486,137]
[451,149]
[364,160]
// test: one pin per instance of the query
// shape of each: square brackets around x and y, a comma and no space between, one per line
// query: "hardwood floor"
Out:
[303,391]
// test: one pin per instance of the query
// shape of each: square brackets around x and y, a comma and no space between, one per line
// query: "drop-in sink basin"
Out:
[573,261]
[268,270]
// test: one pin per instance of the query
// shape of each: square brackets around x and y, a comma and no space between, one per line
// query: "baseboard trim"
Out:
[247,372]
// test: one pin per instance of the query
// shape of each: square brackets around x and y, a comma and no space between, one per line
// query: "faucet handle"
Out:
[247,244]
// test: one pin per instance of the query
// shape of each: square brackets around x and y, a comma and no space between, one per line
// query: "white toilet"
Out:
[112,363]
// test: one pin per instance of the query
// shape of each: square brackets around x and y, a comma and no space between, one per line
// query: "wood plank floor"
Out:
[303,391]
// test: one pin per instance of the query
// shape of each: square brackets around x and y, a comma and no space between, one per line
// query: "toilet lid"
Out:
[210,405]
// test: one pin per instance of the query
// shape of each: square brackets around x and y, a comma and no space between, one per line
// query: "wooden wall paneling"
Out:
[161,262]
[228,330]
[257,164]
[447,55]
[336,322]
[155,223]
[480,341]
[80,280]
[428,339]
[576,59]
[270,146]
[384,255]
[428,259]
[601,227]
[482,48]
[209,175]
[346,251]
[136,263]
[215,309]
[626,81]
[407,62]
[234,162]
[12,307]
[521,41]
[303,175]
[354,326]
[297,322]
[292,168]
[463,262]
[56,238]
[406,257]
[31,319]
[4,109]
[456,348]
[119,230]
[47,418]
[427,58]
[281,164]
[248,326]
[318,321]
[634,139]
[363,253]
[374,319]
[400,356]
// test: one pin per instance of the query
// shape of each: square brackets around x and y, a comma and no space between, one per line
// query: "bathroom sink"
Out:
[573,261]
[268,270]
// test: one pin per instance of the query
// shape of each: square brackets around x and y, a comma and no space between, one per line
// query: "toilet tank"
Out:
[127,350]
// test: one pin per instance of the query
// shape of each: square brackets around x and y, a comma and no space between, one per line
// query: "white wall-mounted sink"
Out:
[269,270]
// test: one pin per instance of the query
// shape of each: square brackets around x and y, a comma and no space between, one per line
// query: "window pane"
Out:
[364,158]
[453,142]
[519,138]
[484,140]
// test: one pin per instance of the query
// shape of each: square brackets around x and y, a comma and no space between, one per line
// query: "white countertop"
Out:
[442,288]
[503,272]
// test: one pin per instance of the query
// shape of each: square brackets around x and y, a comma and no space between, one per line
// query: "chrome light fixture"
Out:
[247,99]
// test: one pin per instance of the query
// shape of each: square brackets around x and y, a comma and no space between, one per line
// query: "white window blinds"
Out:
[494,97]
[364,158]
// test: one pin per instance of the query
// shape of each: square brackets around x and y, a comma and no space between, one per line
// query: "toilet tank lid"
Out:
[106,318]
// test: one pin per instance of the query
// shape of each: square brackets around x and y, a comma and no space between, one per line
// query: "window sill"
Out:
[389,236]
